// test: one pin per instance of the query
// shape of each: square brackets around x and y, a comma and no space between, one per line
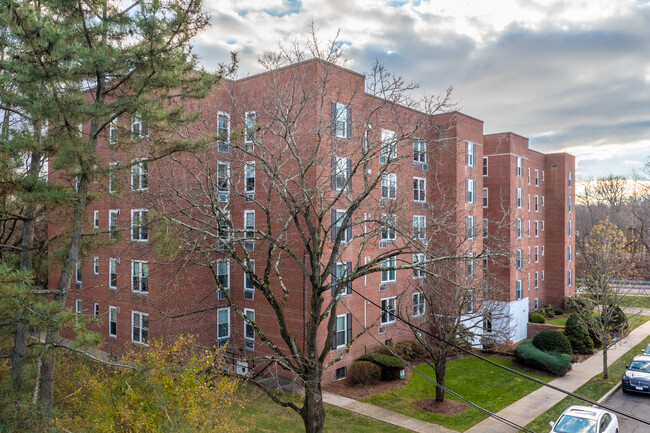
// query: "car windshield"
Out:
[574,424]
[647,349]
[640,366]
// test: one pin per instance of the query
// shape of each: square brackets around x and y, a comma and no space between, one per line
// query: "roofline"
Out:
[507,132]
[459,113]
[302,62]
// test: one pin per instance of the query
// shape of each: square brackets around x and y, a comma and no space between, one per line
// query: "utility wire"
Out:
[469,352]
[471,403]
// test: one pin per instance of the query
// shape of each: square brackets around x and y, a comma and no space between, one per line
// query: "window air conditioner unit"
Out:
[382,329]
[382,287]
[77,285]
[382,245]
[382,202]
[424,242]
[425,205]
[424,167]
[382,160]
[249,196]
[242,368]
[249,245]
[223,197]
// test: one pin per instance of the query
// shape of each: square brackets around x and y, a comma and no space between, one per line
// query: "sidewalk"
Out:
[536,403]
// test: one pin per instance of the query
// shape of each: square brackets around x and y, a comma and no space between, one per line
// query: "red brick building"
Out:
[141,293]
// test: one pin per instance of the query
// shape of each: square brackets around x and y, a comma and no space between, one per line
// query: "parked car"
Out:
[647,350]
[637,375]
[584,419]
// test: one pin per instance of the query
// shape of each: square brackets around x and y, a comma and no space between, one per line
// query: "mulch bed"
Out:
[346,389]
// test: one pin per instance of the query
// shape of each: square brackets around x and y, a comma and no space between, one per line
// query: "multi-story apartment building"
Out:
[419,167]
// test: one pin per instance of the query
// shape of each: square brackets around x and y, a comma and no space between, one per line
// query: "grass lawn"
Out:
[261,415]
[594,389]
[486,385]
[559,321]
[636,301]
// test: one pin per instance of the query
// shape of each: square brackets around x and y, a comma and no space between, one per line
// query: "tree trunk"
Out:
[313,413]
[440,369]
[605,373]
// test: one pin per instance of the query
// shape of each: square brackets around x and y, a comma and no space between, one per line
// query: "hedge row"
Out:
[390,366]
[556,363]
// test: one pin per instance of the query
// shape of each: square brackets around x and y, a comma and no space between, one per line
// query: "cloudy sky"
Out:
[571,75]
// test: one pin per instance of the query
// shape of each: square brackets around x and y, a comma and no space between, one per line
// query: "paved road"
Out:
[635,404]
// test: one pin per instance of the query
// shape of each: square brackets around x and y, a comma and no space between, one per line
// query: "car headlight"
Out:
[625,378]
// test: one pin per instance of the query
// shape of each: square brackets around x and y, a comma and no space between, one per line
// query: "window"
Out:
[112,177]
[519,228]
[140,276]
[469,265]
[528,202]
[388,232]
[470,190]
[570,179]
[570,204]
[223,132]
[418,270]
[387,310]
[139,231]
[343,331]
[536,203]
[536,228]
[223,230]
[542,175]
[341,172]
[536,177]
[519,170]
[469,303]
[96,265]
[569,278]
[112,321]
[536,304]
[223,181]
[420,151]
[249,181]
[418,304]
[470,154]
[112,223]
[139,176]
[223,276]
[341,373]
[542,250]
[389,185]
[249,287]
[519,198]
[96,311]
[341,271]
[139,128]
[96,219]
[419,227]
[569,253]
[223,326]
[542,274]
[339,221]
[249,224]
[469,227]
[485,166]
[536,279]
[112,273]
[388,145]
[249,133]
[388,274]
[249,330]
[519,256]
[536,254]
[78,307]
[341,120]
[528,175]
[487,323]
[140,327]
[485,197]
[77,268]
[519,288]
[419,189]
[485,228]
[570,228]
[529,257]
[112,133]
[542,201]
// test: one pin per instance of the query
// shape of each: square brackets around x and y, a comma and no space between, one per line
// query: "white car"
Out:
[647,350]
[584,419]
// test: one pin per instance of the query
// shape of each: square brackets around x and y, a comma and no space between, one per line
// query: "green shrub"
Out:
[547,311]
[390,366]
[617,319]
[579,304]
[489,343]
[552,341]
[558,311]
[553,362]
[536,318]
[577,333]
[365,372]
[383,350]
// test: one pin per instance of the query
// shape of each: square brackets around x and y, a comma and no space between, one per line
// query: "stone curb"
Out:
[609,393]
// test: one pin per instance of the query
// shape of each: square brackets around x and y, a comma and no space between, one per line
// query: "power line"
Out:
[469,352]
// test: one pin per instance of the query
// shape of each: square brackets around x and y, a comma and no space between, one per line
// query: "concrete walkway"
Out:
[536,403]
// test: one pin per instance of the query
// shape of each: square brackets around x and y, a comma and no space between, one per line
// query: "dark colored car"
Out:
[637,375]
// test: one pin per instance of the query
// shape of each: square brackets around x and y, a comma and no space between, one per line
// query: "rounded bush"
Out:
[552,341]
[548,311]
[553,362]
[536,318]
[577,333]
[617,319]
[558,311]
[390,366]
[365,372]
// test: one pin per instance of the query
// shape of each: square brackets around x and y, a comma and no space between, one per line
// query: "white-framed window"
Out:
[418,304]
[387,310]
[487,323]
[529,256]
[485,228]
[542,274]
[418,270]
[536,304]
[485,197]
[542,175]
[223,325]
[341,172]
[223,276]
[542,250]
[77,269]
[419,189]
[519,228]
[112,223]
[223,229]
[140,327]
[249,178]
[112,176]
[520,198]
[469,303]
[536,279]
[249,330]
[570,179]
[389,185]
[96,219]
[542,201]
[341,271]
[570,200]
[536,228]
[536,254]
[469,227]
[223,132]
[485,166]
[223,181]
[249,224]
[570,228]
[519,289]
[569,278]
[528,202]
[536,203]
[140,276]
[249,287]
[96,265]
[469,265]
[139,230]
[470,154]
[536,177]
[388,232]
[528,175]
[542,225]
[96,310]
[470,191]
[388,145]
[139,128]
[78,307]
[419,227]
[112,273]
[343,331]
[341,120]
[569,253]
[112,321]
[519,169]
[388,270]
[139,176]
[419,151]
[338,222]
[112,133]
[519,256]
[249,132]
